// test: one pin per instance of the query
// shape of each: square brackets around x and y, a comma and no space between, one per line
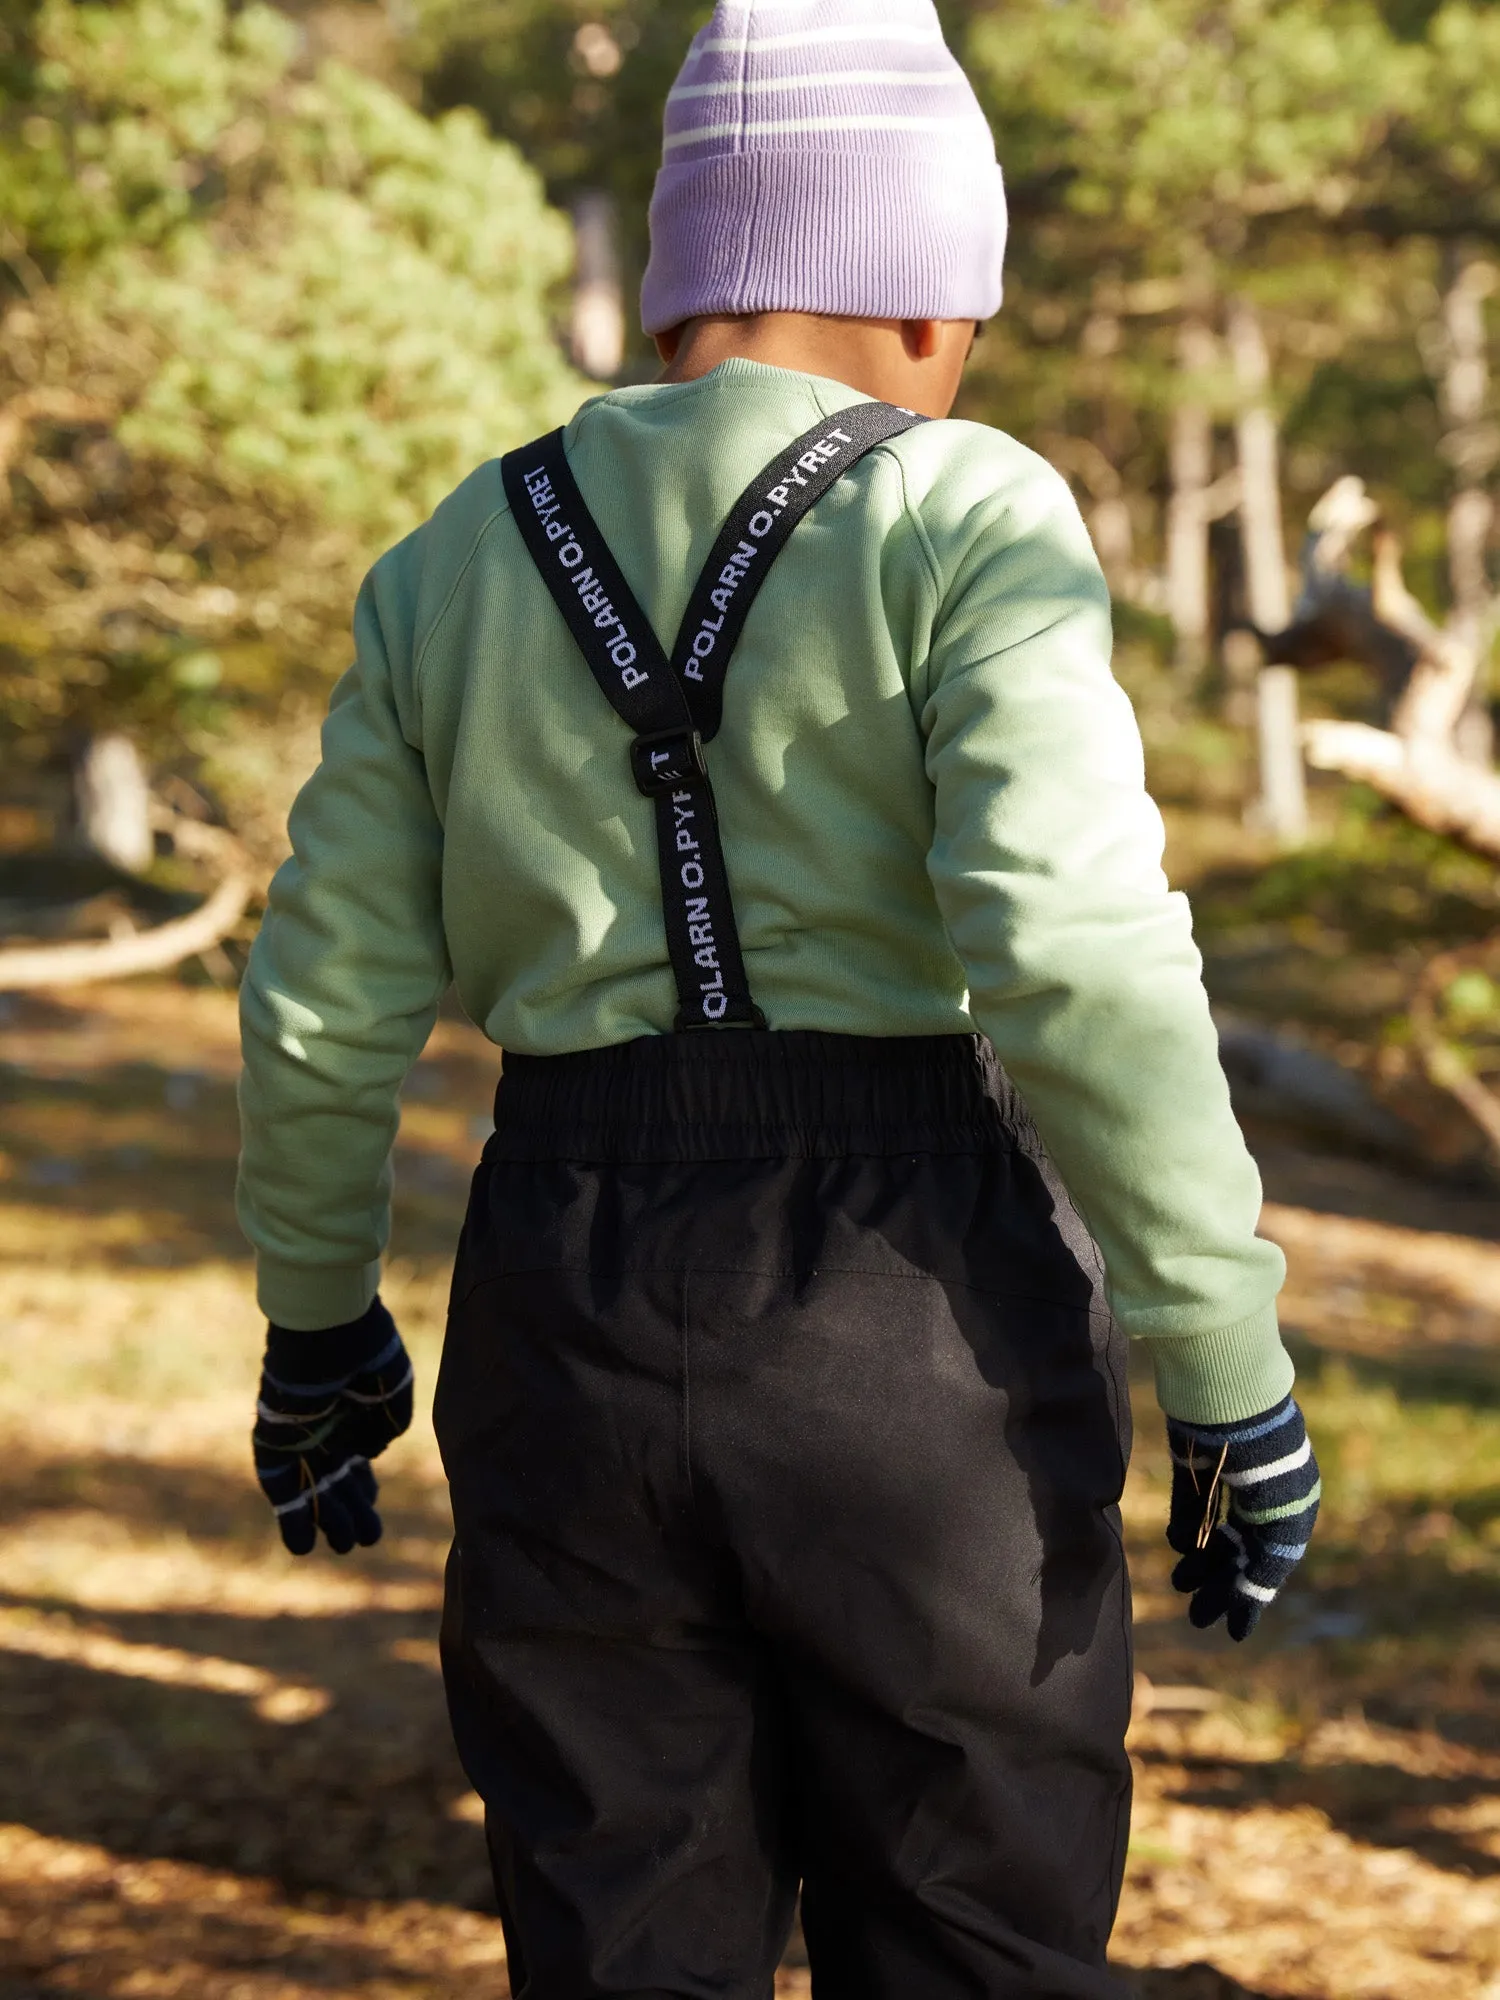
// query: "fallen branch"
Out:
[1462,1272]
[1428,780]
[1171,1698]
[154,950]
[1273,1076]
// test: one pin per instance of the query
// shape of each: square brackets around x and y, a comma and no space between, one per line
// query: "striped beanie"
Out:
[824,156]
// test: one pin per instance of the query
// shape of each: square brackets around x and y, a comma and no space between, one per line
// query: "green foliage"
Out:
[577,85]
[127,106]
[382,327]
[266,316]
[1159,153]
[307,308]
[1472,1000]
[1376,881]
[1402,1456]
[1169,116]
[1164,155]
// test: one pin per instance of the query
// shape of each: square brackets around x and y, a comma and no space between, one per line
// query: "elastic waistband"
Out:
[744,1095]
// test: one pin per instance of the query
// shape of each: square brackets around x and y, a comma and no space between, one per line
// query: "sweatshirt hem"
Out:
[309,1298]
[1223,1377]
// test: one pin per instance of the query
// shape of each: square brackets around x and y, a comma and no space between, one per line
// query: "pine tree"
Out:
[259,316]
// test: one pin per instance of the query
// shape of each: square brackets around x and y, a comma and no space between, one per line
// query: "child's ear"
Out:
[922,337]
[667,344]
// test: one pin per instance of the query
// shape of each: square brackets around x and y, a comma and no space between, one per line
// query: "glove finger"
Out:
[358,1493]
[298,1525]
[1185,1517]
[288,1487]
[1191,1571]
[1242,1616]
[1218,1557]
[1211,1601]
[346,1508]
[333,1519]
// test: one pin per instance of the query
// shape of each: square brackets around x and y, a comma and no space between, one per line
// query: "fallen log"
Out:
[1427,778]
[1462,1271]
[25,968]
[1271,1076]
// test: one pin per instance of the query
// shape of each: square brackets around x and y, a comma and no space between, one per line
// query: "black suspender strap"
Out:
[674,706]
[628,662]
[758,529]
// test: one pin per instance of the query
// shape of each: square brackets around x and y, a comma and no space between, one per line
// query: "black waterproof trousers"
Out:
[785,1428]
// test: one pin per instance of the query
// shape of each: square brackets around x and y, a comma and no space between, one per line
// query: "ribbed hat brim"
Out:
[825,156]
[858,236]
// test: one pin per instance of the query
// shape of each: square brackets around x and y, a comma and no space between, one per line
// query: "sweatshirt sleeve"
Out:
[1047,863]
[343,984]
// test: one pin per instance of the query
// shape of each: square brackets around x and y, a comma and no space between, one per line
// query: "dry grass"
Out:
[227,1776]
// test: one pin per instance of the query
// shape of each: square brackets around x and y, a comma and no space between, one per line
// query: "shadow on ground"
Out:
[364,1800]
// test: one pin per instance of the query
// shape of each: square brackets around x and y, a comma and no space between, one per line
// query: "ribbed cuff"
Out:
[310,1297]
[1224,1377]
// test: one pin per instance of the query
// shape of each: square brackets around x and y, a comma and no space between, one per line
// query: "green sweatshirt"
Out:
[934,811]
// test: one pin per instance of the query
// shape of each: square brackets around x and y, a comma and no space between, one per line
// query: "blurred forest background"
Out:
[274,278]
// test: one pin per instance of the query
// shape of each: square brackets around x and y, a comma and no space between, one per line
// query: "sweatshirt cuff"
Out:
[306,1298]
[1221,1378]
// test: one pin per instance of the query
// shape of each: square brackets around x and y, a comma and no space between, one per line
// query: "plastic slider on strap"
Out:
[667,762]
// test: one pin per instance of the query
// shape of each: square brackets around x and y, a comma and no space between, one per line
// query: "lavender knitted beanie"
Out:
[824,156]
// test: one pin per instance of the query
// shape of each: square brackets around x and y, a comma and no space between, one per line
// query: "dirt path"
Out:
[226,1776]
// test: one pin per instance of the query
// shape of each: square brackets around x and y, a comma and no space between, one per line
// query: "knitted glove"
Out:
[1233,1567]
[329,1403]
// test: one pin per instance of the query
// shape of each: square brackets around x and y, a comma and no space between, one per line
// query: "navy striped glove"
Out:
[329,1403]
[1233,1567]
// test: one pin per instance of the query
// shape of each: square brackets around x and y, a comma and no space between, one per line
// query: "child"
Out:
[784,1415]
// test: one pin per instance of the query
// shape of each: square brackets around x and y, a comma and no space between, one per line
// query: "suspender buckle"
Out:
[667,761]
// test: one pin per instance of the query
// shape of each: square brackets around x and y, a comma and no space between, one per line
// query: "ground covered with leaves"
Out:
[227,1777]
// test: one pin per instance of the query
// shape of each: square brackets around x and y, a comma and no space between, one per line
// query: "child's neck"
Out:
[915,363]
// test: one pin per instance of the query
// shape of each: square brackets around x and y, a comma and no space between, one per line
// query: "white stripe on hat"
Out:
[924,79]
[840,238]
[806,38]
[764,127]
[778,6]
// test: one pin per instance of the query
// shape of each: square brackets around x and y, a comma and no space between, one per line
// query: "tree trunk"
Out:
[1191,457]
[112,802]
[1463,395]
[1283,794]
[598,328]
